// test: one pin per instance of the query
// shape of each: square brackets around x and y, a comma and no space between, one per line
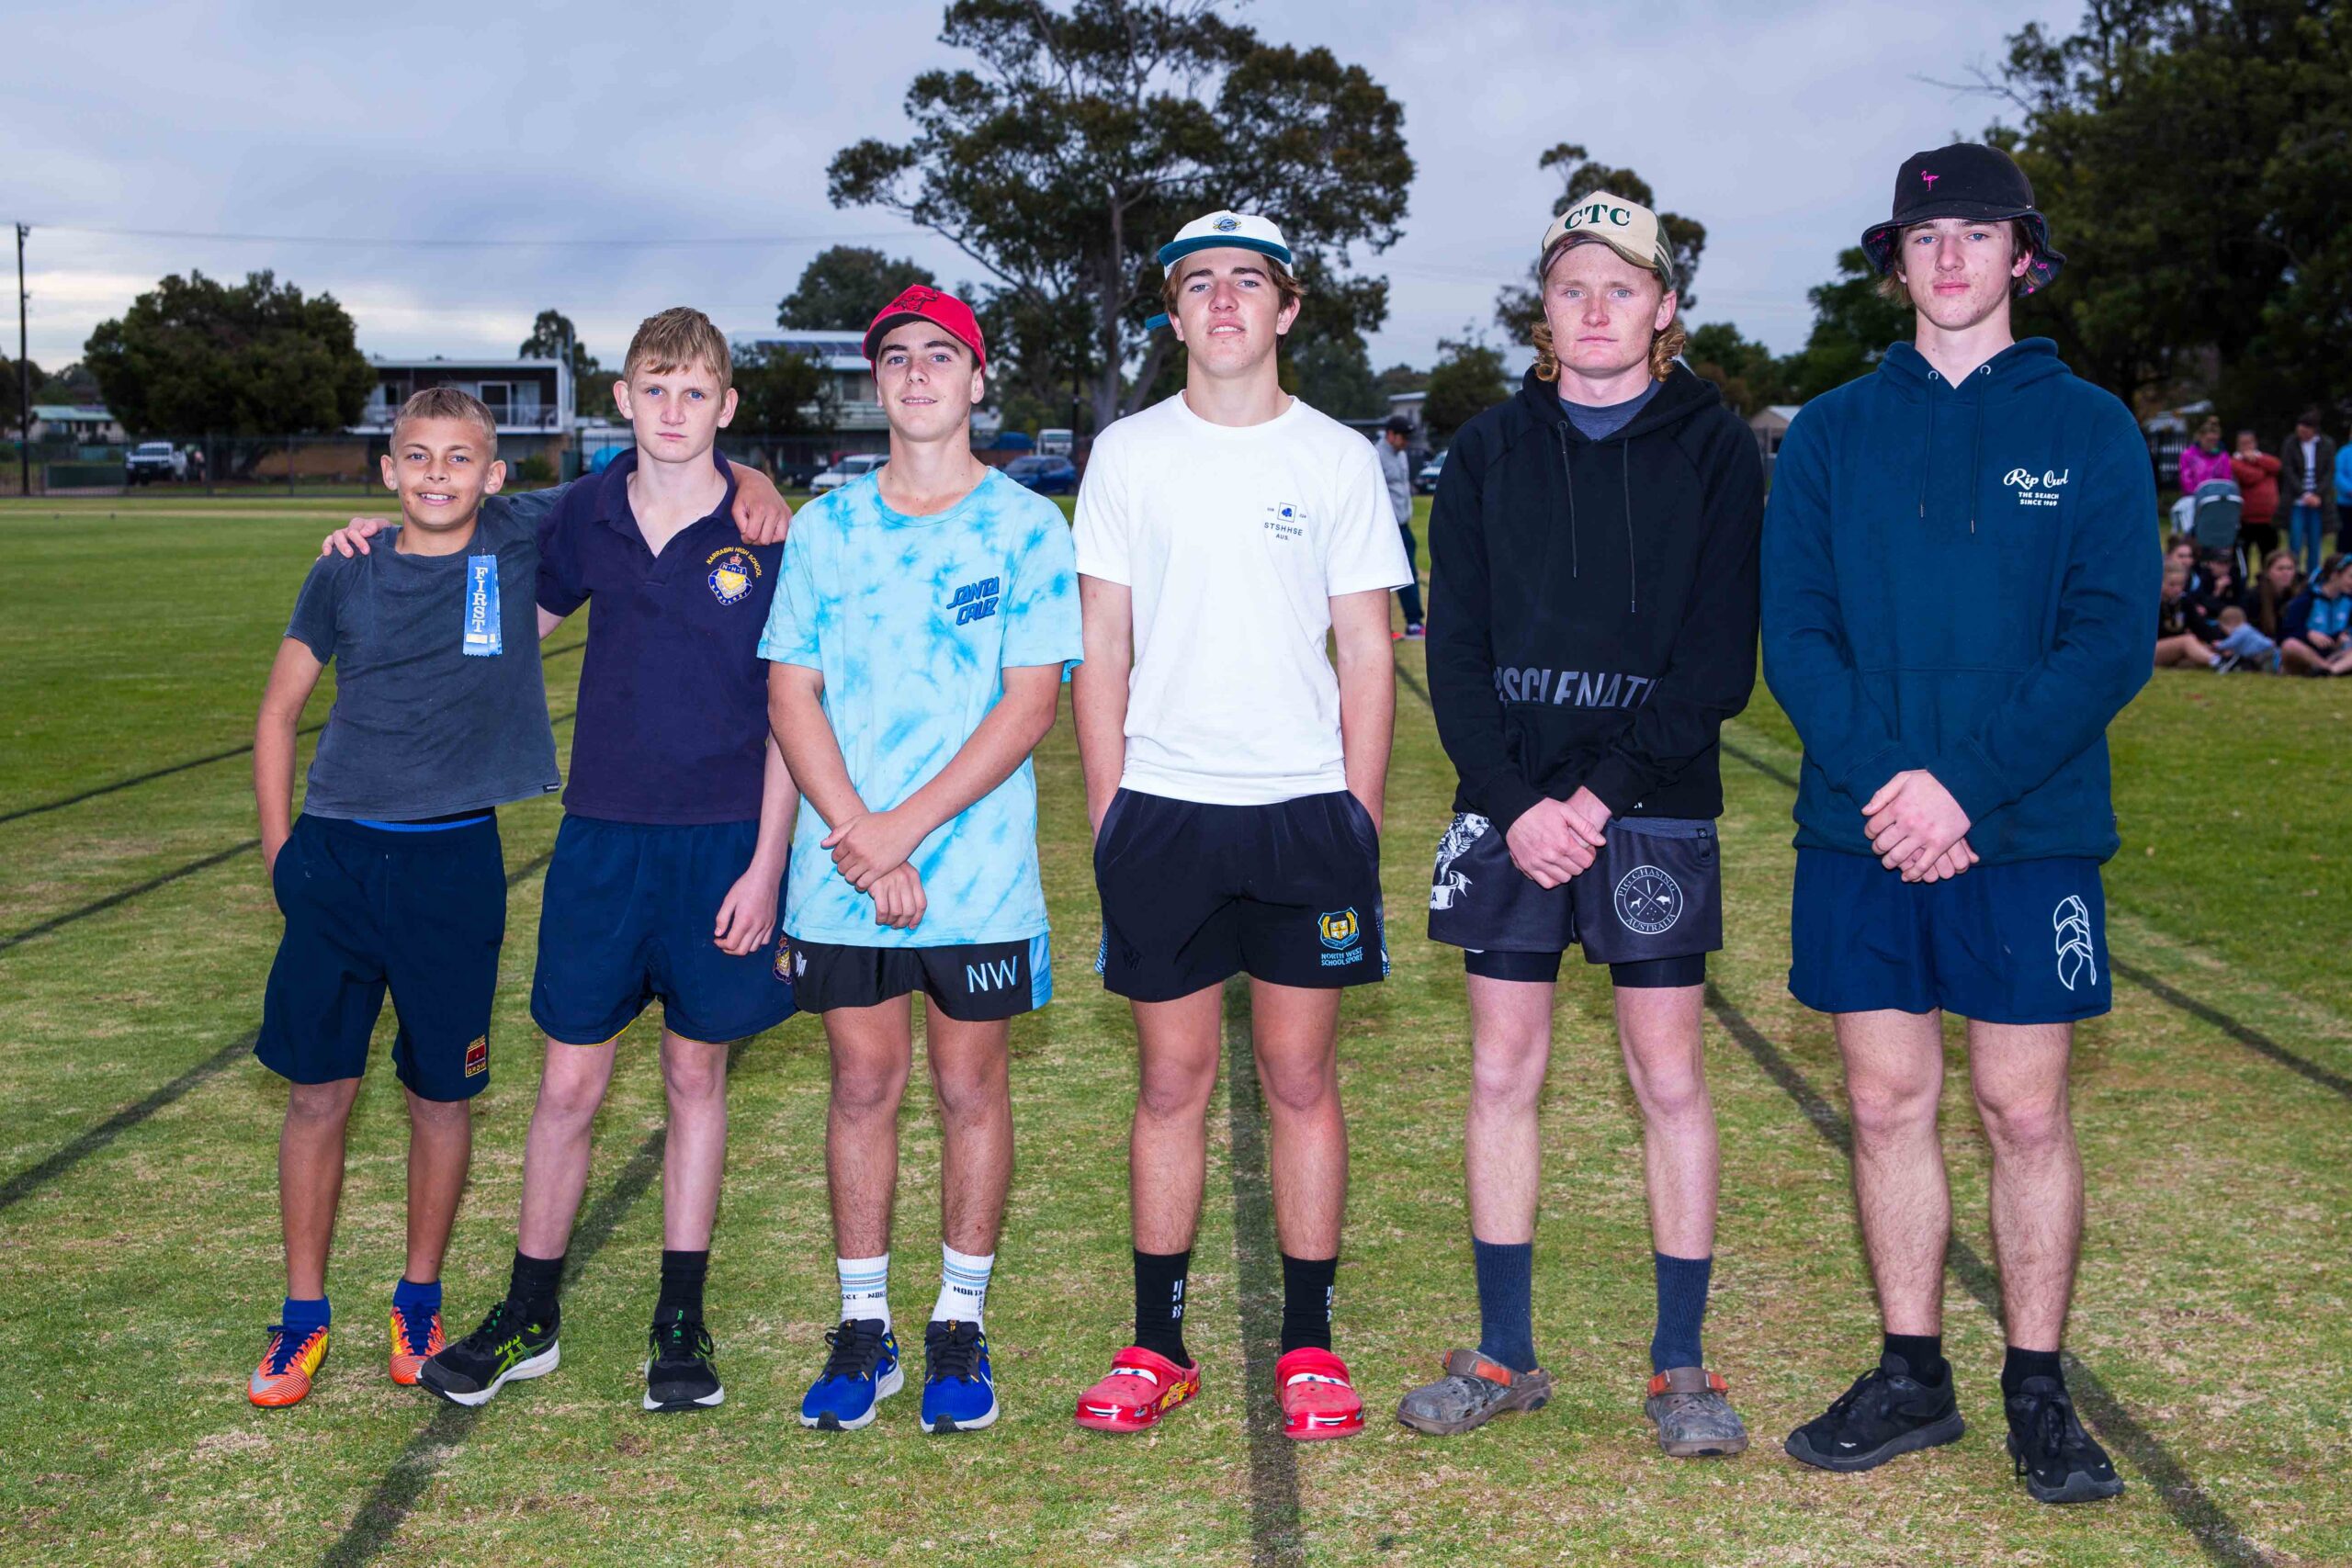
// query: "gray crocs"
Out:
[1473,1391]
[1694,1416]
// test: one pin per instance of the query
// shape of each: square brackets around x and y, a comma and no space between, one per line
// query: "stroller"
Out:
[2210,515]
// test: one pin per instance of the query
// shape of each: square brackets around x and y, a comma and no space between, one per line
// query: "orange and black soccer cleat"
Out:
[409,1352]
[288,1364]
[1142,1386]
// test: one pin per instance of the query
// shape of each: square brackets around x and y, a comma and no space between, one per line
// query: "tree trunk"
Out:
[1112,284]
[1155,354]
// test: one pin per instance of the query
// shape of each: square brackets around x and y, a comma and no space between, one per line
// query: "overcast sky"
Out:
[1779,126]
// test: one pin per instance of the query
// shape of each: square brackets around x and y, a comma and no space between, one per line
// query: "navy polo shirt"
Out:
[674,697]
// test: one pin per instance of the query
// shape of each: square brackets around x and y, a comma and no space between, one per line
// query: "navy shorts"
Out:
[419,914]
[627,918]
[2020,942]
[1193,894]
[1650,906]
[971,982]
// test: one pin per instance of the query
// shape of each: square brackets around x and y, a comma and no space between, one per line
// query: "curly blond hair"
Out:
[1665,348]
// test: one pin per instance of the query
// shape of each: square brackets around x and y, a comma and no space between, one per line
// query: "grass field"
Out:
[139,1238]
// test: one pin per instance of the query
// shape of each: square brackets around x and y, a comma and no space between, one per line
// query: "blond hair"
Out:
[677,339]
[1664,345]
[448,403]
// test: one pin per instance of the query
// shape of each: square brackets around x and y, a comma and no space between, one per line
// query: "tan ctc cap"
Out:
[1626,227]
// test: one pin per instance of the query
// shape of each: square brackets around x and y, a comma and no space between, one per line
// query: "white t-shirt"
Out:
[1232,542]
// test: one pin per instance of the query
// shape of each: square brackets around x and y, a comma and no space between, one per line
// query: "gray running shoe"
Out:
[1473,1391]
[1693,1414]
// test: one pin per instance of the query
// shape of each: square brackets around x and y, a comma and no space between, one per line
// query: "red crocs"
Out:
[1142,1386]
[1318,1400]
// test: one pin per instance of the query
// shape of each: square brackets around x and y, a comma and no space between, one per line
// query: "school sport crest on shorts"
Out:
[1648,901]
[734,573]
[1343,935]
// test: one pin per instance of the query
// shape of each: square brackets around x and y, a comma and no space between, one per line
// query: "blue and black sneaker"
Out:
[862,1371]
[959,1389]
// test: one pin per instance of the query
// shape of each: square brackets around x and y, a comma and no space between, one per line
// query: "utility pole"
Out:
[24,376]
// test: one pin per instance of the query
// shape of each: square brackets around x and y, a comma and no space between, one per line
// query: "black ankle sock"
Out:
[1923,1353]
[534,1282]
[1306,1301]
[682,1278]
[2019,1365]
[1159,1303]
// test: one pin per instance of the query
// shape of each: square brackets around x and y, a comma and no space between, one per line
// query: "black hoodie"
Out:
[1593,603]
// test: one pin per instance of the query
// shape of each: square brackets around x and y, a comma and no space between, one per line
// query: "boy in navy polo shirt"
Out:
[391,878]
[668,867]
[927,614]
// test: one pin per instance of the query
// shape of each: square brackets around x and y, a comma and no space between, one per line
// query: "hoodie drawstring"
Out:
[1569,469]
[1625,481]
[1928,458]
[1976,452]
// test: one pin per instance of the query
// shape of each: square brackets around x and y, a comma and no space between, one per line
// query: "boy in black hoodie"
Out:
[1960,568]
[1581,709]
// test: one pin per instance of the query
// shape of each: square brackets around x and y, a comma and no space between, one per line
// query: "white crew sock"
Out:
[963,1287]
[866,1287]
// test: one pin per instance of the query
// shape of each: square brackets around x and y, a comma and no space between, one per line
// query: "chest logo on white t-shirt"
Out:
[1286,520]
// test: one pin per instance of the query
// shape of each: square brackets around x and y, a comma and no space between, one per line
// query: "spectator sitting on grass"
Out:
[2268,596]
[2177,647]
[2318,625]
[2242,647]
[2213,589]
[2182,553]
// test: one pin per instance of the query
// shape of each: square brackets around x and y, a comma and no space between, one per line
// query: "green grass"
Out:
[133,1284]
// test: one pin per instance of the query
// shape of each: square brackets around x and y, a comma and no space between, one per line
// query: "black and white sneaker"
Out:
[1886,1413]
[678,1374]
[2060,1462]
[510,1345]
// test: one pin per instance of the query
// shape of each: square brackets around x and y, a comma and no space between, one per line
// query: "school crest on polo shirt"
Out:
[734,573]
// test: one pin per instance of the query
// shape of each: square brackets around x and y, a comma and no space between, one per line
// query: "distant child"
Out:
[392,879]
[2241,646]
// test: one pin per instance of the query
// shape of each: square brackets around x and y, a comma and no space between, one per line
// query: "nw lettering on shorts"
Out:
[995,974]
[1573,688]
[975,601]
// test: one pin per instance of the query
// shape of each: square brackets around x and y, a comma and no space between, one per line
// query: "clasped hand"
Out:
[870,851]
[1917,828]
[1554,840]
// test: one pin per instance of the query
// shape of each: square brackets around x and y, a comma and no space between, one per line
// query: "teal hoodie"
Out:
[1962,579]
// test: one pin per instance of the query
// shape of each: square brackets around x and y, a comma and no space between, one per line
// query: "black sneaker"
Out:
[678,1374]
[1887,1412]
[2060,1462]
[507,1346]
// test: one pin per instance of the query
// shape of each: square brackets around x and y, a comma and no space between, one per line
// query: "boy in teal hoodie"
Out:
[1960,563]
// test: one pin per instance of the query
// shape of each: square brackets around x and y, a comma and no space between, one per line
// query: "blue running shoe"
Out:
[959,1390]
[862,1371]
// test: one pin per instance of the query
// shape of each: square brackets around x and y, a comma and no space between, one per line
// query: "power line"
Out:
[387,242]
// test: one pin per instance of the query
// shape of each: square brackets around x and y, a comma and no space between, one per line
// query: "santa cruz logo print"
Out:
[1648,901]
[2036,489]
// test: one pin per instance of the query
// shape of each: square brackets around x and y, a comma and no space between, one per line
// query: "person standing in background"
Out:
[2257,472]
[2344,498]
[2202,460]
[2308,476]
[1397,471]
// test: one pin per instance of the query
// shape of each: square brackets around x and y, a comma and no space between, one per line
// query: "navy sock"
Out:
[1681,1308]
[301,1316]
[1506,1302]
[1923,1353]
[682,1276]
[2019,1365]
[417,1303]
[1159,1303]
[1308,1284]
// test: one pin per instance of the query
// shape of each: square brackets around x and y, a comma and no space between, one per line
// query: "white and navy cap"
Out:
[1223,230]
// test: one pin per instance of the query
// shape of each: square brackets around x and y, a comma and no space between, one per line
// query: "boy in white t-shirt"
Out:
[1235,779]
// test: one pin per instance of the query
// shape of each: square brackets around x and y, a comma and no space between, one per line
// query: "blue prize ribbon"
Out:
[483,637]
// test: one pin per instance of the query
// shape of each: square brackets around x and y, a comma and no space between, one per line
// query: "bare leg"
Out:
[1894,1077]
[310,1179]
[1298,1065]
[440,1148]
[1511,1047]
[1176,1047]
[2018,1072]
[873,1051]
[1658,1030]
[970,1075]
[554,1152]
[694,1160]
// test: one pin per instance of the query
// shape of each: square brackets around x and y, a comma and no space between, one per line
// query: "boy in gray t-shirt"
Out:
[392,878]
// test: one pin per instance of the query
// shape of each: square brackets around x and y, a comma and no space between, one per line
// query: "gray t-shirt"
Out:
[1601,423]
[420,728]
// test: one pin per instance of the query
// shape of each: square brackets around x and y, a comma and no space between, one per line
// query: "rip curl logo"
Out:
[1648,901]
[2070,923]
[2037,490]
[1446,884]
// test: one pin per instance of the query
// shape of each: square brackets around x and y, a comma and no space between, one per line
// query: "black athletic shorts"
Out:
[972,982]
[1650,906]
[1192,894]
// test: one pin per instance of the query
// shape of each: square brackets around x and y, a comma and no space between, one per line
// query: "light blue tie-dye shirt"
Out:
[912,622]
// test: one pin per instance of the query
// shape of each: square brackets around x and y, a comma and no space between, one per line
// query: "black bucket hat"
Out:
[1968,180]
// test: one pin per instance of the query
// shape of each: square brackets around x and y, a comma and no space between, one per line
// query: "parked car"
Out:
[856,465]
[1425,481]
[1047,476]
[152,460]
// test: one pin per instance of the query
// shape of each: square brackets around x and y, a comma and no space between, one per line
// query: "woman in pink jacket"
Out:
[2204,460]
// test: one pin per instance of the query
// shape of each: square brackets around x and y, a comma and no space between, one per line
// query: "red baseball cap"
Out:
[924,303]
